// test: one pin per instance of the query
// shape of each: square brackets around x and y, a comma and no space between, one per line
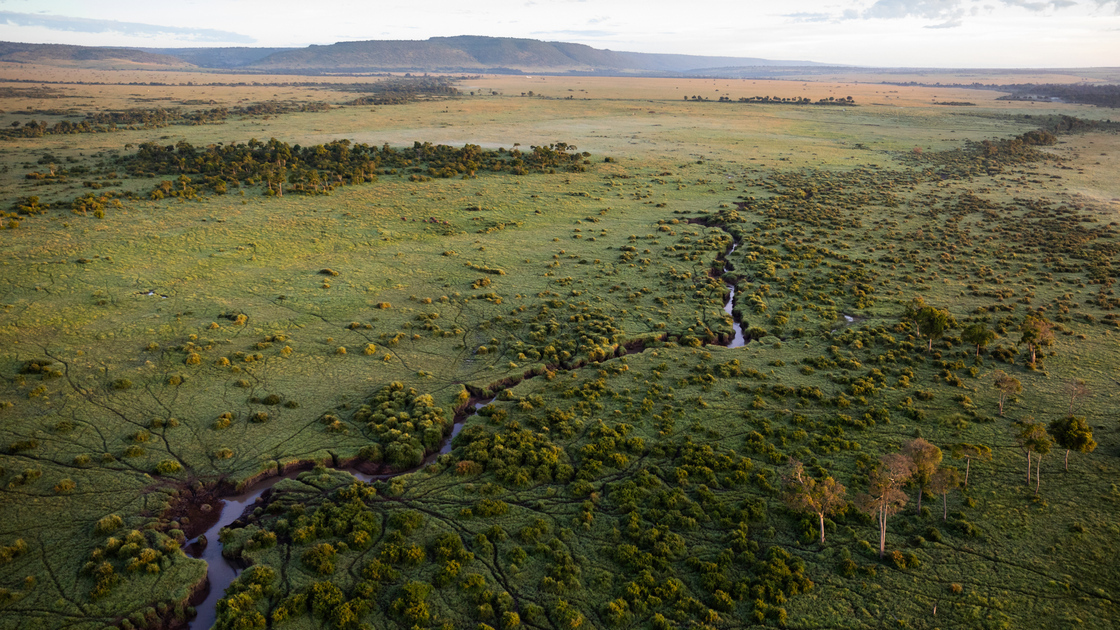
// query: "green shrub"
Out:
[108,524]
[320,558]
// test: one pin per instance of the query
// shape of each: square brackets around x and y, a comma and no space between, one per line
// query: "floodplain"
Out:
[305,281]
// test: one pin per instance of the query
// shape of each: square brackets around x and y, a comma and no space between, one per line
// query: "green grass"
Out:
[175,345]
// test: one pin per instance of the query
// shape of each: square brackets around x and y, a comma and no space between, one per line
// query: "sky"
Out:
[894,33]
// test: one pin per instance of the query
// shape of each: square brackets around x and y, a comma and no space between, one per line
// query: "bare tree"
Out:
[884,496]
[1075,390]
[805,494]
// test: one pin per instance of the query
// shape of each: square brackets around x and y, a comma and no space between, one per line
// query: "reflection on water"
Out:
[739,341]
[221,572]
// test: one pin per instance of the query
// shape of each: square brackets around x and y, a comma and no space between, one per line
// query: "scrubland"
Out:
[164,345]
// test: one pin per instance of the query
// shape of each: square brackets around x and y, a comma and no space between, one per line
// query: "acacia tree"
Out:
[1076,390]
[1036,331]
[942,482]
[936,321]
[926,458]
[805,494]
[1033,438]
[1007,385]
[1073,433]
[912,313]
[884,496]
[979,335]
[969,452]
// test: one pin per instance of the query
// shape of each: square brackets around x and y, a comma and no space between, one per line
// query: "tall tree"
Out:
[1073,433]
[913,309]
[936,321]
[942,482]
[1036,331]
[970,452]
[1075,390]
[1007,385]
[926,458]
[805,494]
[884,496]
[1033,438]
[979,335]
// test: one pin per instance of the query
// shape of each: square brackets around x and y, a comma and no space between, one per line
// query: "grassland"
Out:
[175,349]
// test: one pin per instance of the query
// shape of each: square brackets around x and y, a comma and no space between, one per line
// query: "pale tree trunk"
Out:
[1037,474]
[882,531]
[967,465]
[1028,468]
[920,493]
[821,514]
[1067,459]
[945,507]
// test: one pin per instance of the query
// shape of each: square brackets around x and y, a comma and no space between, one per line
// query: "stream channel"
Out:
[739,340]
[221,572]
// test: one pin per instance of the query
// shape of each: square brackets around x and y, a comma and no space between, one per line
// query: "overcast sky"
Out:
[930,33]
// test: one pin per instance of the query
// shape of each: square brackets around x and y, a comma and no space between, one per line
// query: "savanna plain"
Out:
[204,286]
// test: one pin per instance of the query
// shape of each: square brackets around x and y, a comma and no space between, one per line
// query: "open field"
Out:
[194,332]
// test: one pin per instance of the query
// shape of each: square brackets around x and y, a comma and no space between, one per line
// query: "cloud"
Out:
[575,33]
[951,13]
[809,17]
[86,25]
[954,23]
[928,9]
[1040,6]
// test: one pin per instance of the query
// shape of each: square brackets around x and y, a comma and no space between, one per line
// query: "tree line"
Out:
[153,118]
[778,100]
[320,168]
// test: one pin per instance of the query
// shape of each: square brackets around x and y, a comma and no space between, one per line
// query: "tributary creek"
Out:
[221,572]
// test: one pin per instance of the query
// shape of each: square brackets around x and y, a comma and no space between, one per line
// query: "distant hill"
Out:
[462,53]
[233,57]
[54,53]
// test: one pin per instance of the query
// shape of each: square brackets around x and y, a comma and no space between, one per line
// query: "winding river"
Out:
[739,340]
[221,572]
